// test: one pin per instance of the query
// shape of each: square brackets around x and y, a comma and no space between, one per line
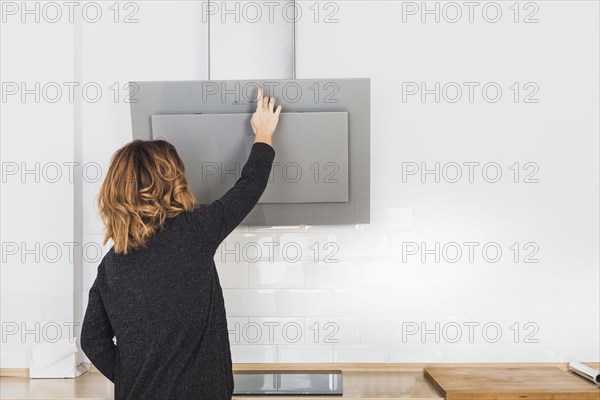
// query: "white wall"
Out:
[559,214]
[37,195]
[167,42]
[249,40]
[359,308]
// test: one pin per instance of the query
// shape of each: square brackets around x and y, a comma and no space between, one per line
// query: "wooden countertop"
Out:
[368,385]
[360,381]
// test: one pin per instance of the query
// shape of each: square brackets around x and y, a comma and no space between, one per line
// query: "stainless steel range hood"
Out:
[321,171]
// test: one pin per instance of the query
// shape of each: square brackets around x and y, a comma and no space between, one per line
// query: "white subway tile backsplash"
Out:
[253,353]
[275,330]
[304,302]
[473,353]
[294,247]
[361,302]
[381,273]
[417,353]
[332,330]
[247,247]
[414,272]
[234,327]
[380,329]
[371,244]
[399,217]
[582,352]
[585,293]
[360,353]
[278,274]
[570,328]
[233,275]
[530,352]
[488,297]
[334,245]
[250,302]
[422,298]
[232,320]
[305,353]
[332,275]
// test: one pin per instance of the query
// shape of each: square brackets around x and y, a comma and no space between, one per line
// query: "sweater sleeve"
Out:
[227,212]
[97,333]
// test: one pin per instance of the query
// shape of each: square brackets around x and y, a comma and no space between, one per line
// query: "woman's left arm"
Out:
[97,333]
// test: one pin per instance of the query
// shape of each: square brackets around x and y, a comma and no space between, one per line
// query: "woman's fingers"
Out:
[265,120]
[264,103]
[259,96]
[271,103]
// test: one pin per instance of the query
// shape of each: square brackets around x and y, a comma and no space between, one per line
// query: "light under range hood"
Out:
[288,383]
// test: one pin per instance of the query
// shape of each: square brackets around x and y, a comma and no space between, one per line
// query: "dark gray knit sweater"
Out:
[164,304]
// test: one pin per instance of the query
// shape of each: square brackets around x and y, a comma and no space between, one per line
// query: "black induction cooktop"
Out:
[287,383]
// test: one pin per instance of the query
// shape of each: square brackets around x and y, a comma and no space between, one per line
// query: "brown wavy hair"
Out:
[145,184]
